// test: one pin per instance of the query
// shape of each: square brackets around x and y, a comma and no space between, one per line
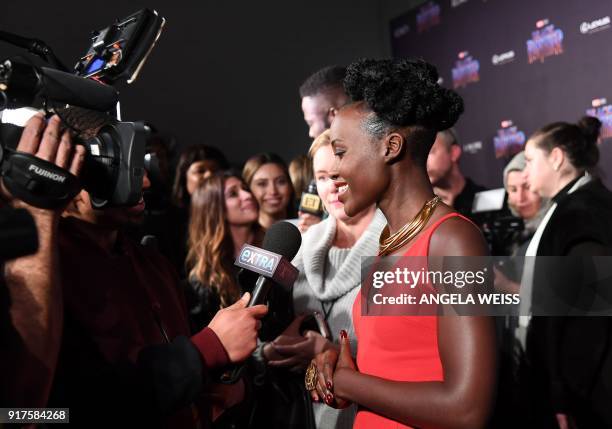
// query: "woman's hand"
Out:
[298,355]
[330,363]
[290,336]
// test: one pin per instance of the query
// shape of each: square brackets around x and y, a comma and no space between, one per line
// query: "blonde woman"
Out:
[329,263]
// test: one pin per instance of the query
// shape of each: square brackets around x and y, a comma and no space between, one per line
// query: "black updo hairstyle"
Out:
[403,93]
[578,141]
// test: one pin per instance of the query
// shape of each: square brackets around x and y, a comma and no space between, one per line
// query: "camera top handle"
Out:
[34,46]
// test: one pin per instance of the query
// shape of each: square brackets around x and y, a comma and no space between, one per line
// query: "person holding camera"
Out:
[522,201]
[31,299]
[329,262]
[127,347]
[531,208]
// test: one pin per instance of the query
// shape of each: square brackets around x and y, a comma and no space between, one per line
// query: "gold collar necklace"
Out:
[391,243]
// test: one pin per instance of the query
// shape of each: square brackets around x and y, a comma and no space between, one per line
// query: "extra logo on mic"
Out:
[268,264]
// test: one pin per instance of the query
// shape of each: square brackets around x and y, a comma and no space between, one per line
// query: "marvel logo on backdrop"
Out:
[466,70]
[602,111]
[509,140]
[472,148]
[503,58]
[595,25]
[428,16]
[546,41]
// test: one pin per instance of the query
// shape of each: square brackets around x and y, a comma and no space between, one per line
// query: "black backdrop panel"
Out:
[518,65]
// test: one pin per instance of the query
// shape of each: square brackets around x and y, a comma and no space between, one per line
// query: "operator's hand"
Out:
[237,326]
[46,141]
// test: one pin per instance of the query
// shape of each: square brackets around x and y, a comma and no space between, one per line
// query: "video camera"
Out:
[85,101]
[88,105]
[500,228]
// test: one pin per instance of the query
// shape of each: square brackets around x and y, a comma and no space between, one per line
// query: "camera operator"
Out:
[522,201]
[31,313]
[126,347]
[528,206]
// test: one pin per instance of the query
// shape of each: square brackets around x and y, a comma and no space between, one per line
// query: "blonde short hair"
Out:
[323,140]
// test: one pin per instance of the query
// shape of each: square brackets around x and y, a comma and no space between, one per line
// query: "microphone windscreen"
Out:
[284,239]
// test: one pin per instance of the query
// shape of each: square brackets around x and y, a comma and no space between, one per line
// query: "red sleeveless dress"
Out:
[400,348]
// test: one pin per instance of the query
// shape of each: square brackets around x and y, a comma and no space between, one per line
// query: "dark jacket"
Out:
[126,346]
[570,358]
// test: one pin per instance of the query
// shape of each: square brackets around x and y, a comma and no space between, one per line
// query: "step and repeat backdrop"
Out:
[519,65]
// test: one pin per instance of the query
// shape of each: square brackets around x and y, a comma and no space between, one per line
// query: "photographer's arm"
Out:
[32,281]
[230,338]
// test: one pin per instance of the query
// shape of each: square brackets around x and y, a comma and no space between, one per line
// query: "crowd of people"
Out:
[104,325]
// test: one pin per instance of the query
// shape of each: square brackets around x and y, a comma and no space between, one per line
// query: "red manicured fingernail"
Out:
[328,398]
[329,385]
[343,334]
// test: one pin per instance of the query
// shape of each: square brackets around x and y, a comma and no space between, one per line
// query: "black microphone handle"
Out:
[260,291]
[258,296]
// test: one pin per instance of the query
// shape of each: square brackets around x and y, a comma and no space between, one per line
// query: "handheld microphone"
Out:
[280,245]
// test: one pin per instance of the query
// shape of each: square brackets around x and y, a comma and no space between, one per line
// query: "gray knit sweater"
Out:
[328,282]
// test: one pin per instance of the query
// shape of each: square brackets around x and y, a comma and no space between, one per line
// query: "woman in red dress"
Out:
[411,371]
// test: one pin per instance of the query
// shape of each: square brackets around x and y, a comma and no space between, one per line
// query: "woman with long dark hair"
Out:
[223,218]
[419,371]
[195,164]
